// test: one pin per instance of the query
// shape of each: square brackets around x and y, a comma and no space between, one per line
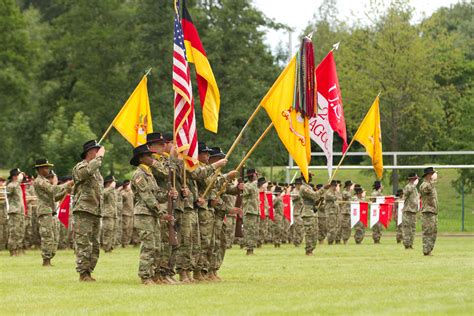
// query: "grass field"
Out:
[354,279]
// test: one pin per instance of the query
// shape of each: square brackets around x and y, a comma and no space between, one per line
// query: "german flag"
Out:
[207,85]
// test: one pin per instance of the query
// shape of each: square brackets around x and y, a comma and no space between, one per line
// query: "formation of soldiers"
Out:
[185,220]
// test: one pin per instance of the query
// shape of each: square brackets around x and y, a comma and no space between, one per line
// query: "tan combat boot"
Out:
[190,276]
[90,276]
[85,277]
[216,277]
[148,282]
[158,279]
[47,263]
[198,277]
[183,277]
[309,253]
[249,252]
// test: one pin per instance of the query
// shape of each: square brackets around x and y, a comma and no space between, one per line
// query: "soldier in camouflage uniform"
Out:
[147,212]
[127,213]
[109,214]
[28,234]
[230,220]
[16,213]
[322,217]
[338,217]
[262,188]
[359,227]
[378,227]
[309,198]
[297,229]
[118,220]
[331,198]
[410,208]
[278,224]
[250,205]
[3,215]
[346,211]
[399,231]
[429,209]
[87,209]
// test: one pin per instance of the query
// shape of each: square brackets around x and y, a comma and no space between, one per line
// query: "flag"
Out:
[374,214]
[359,213]
[287,208]
[63,210]
[185,132]
[262,204]
[385,214]
[271,213]
[369,135]
[207,85]
[292,127]
[400,206]
[134,119]
[23,196]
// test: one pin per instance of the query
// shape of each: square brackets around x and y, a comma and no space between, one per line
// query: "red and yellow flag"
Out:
[207,85]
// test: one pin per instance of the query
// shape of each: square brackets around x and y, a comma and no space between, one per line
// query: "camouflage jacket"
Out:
[278,208]
[346,197]
[47,194]
[330,198]
[15,198]
[118,198]
[412,198]
[251,199]
[297,202]
[309,198]
[229,202]
[203,175]
[147,193]
[429,198]
[88,187]
[110,203]
[127,202]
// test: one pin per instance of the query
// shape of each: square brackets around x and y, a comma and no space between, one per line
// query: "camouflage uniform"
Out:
[309,198]
[127,217]
[410,208]
[297,229]
[28,221]
[250,205]
[86,210]
[3,222]
[109,214]
[146,211]
[16,213]
[322,221]
[378,227]
[32,209]
[429,215]
[47,194]
[262,221]
[230,220]
[359,228]
[278,224]
[346,215]
[118,219]
[331,197]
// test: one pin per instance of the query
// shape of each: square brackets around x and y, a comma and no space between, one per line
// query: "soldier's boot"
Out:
[216,277]
[190,276]
[12,253]
[47,263]
[376,241]
[321,242]
[249,252]
[198,277]
[92,279]
[427,253]
[148,282]
[170,280]
[338,242]
[345,242]
[309,252]
[242,246]
[158,279]
[183,277]
[209,276]
[85,277]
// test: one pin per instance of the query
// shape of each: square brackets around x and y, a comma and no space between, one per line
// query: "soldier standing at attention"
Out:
[47,192]
[298,227]
[16,212]
[109,214]
[278,225]
[378,227]
[346,211]
[410,208]
[399,231]
[359,227]
[330,198]
[87,208]
[147,212]
[309,198]
[251,209]
[429,210]
[322,217]
[118,219]
[127,213]
[3,215]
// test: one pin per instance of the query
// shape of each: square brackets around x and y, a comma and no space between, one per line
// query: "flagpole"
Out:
[269,127]
[347,149]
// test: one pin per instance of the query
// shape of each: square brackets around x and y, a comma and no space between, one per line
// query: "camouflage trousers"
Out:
[149,233]
[47,234]
[127,229]
[63,237]
[3,230]
[251,230]
[184,253]
[399,231]
[108,233]
[338,227]
[135,238]
[322,227]
[206,224]
[310,232]
[263,230]
[297,231]
[277,230]
[28,232]
[167,252]
[409,228]
[377,232]
[35,235]
[359,232]
[429,225]
[286,231]
[16,231]
[118,231]
[218,241]
[345,227]
[86,228]
[230,222]
[332,227]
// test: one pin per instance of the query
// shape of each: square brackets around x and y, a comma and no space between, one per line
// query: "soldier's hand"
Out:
[55,180]
[220,163]
[236,210]
[241,186]
[168,217]
[201,201]
[173,152]
[173,193]
[100,152]
[70,183]
[231,175]
[214,202]
[185,192]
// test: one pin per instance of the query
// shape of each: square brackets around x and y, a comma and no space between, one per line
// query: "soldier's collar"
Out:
[145,168]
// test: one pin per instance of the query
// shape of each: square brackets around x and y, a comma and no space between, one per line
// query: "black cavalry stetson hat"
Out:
[278,189]
[216,152]
[109,178]
[154,137]
[333,183]
[358,190]
[14,172]
[412,176]
[202,147]
[43,163]
[88,146]
[428,171]
[348,183]
[377,184]
[168,137]
[251,171]
[261,181]
[138,151]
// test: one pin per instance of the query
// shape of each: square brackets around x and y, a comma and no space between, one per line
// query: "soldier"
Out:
[16,212]
[410,208]
[30,197]
[309,198]
[278,224]
[87,208]
[251,210]
[109,214]
[378,227]
[147,212]
[262,188]
[230,220]
[53,179]
[429,209]
[127,213]
[297,229]
[118,219]
[322,217]
[3,215]
[359,226]
[338,217]
[346,211]
[399,230]
[330,198]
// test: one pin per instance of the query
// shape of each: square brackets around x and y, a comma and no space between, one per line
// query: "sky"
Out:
[297,13]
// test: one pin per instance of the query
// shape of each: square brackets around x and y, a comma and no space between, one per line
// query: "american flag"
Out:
[184,119]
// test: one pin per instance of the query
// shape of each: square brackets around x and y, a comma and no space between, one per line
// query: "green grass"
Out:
[353,279]
[449,199]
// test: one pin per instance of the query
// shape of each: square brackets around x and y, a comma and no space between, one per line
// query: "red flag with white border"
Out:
[271,213]
[262,205]
[287,208]
[359,213]
[63,210]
